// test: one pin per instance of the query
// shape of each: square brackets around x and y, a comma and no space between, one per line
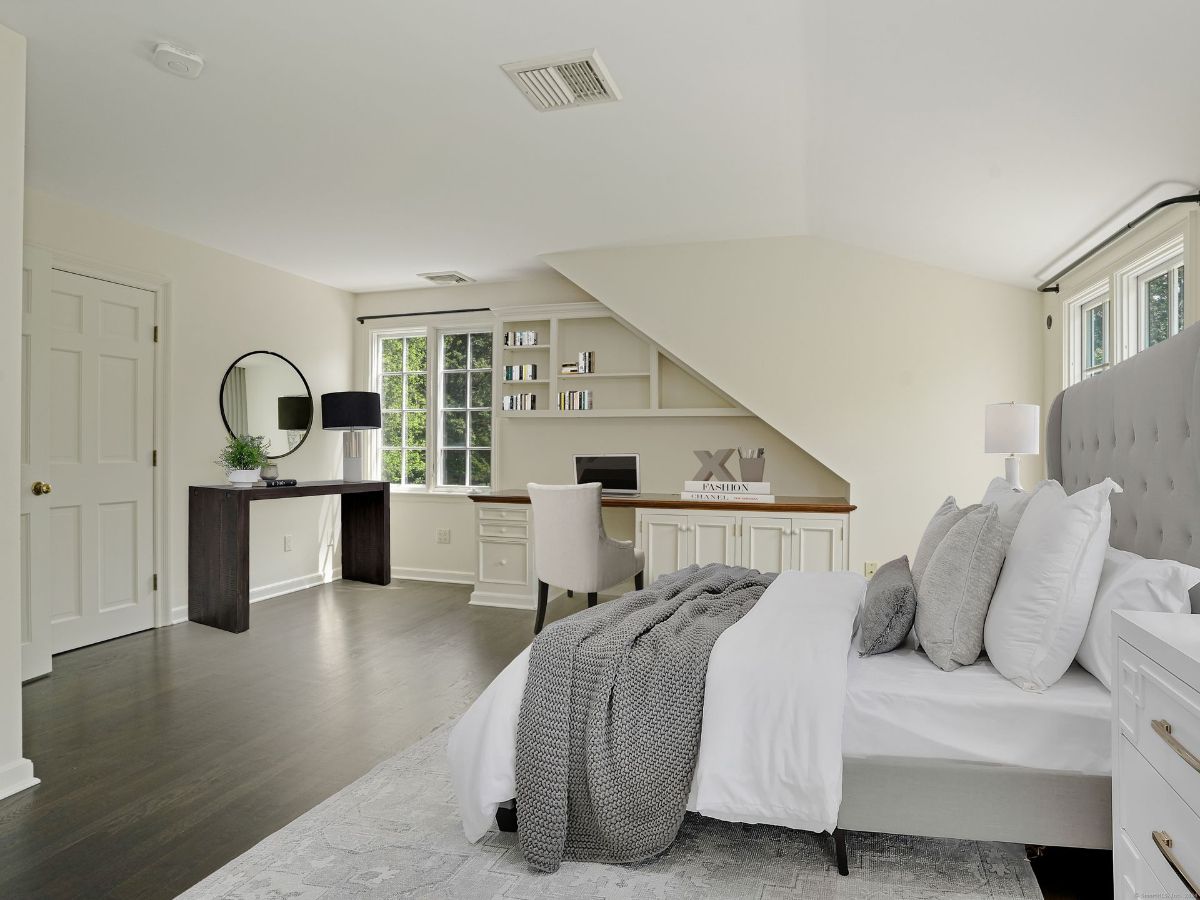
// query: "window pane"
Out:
[414,466]
[454,390]
[393,469]
[416,354]
[1093,329]
[418,397]
[393,391]
[481,389]
[454,351]
[1158,309]
[454,429]
[481,350]
[1179,296]
[393,430]
[393,355]
[481,429]
[481,467]
[454,467]
[416,429]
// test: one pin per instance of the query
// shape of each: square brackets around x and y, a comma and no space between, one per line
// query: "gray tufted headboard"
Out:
[1138,423]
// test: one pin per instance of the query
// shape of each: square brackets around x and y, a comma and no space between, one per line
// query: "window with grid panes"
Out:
[404,388]
[465,407]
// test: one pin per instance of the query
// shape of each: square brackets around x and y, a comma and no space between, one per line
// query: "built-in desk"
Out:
[806,533]
[219,542]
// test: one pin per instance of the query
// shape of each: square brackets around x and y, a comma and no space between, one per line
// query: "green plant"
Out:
[244,452]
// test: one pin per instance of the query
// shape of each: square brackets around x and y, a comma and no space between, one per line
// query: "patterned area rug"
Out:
[395,833]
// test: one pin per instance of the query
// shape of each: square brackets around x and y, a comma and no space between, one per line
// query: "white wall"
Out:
[220,307]
[878,367]
[16,773]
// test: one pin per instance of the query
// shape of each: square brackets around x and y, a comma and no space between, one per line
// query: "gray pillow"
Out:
[890,608]
[954,594]
[943,520]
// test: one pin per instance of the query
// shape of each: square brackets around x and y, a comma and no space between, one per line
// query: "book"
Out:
[520,373]
[520,338]
[718,497]
[568,400]
[518,402]
[729,487]
[587,362]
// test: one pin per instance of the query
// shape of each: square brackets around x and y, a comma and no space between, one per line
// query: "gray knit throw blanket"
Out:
[609,728]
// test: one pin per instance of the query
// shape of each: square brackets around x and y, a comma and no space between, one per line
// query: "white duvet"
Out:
[771,744]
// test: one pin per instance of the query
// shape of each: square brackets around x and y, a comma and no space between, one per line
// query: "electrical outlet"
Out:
[287,543]
[869,568]
[443,535]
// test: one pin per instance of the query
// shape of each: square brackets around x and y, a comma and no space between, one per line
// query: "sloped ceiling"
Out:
[361,142]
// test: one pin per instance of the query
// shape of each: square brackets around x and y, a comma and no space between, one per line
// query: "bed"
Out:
[966,754]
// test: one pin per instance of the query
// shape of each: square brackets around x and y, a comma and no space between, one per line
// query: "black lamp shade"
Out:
[350,411]
[295,413]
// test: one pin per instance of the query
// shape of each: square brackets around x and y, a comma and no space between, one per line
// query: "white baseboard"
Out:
[503,601]
[267,591]
[17,776]
[445,576]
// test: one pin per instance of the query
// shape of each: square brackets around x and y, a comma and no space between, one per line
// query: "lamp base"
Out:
[352,464]
[1012,471]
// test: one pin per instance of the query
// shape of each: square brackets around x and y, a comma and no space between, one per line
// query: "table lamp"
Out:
[351,412]
[1012,428]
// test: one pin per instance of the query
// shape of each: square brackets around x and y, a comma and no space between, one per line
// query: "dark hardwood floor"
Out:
[167,753]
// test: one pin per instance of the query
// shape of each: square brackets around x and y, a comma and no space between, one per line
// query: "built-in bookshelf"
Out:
[632,376]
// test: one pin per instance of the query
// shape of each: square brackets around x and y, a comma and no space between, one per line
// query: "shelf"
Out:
[604,375]
[525,381]
[526,347]
[620,413]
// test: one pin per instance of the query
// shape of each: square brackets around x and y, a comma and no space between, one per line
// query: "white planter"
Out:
[242,476]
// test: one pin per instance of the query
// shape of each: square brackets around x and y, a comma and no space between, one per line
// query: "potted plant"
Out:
[243,458]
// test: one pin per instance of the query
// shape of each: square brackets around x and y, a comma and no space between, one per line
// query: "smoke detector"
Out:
[563,81]
[178,61]
[446,277]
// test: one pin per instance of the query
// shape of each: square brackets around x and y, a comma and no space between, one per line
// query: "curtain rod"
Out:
[427,312]
[1050,285]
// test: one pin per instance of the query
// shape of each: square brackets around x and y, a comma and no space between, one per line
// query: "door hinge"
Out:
[156,334]
[156,581]
[154,458]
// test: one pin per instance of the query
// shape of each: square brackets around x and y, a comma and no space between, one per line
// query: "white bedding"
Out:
[899,704]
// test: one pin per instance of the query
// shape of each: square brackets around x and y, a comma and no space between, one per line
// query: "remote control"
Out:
[280,482]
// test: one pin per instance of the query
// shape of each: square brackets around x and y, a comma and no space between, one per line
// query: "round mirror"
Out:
[264,394]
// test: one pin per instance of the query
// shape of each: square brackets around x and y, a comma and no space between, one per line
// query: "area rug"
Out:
[395,833]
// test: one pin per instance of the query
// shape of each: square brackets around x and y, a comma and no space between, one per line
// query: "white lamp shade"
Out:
[1012,428]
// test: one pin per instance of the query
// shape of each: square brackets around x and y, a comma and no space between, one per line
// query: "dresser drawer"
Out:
[1160,715]
[504,562]
[510,530]
[1135,880]
[1148,806]
[503,513]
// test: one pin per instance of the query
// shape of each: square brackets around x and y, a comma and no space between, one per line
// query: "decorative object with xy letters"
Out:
[712,465]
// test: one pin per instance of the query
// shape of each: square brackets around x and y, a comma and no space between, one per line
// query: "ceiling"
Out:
[361,142]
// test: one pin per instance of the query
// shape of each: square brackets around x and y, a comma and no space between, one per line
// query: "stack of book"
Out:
[585,365]
[574,399]
[728,491]
[520,339]
[518,402]
[520,373]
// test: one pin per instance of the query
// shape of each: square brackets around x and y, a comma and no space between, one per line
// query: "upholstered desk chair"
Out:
[570,546]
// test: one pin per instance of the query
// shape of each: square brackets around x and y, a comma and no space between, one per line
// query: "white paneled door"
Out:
[88,503]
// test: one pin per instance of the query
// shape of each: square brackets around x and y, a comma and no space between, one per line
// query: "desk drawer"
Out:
[1160,715]
[504,562]
[1149,807]
[511,530]
[503,513]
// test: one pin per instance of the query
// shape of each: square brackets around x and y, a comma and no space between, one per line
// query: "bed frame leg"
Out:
[506,818]
[839,846]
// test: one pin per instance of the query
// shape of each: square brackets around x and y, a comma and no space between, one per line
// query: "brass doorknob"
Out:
[41,487]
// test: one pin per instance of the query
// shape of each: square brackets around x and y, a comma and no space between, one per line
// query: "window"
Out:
[1095,315]
[1160,302]
[436,388]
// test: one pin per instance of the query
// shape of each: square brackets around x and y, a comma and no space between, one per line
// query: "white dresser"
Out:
[1156,765]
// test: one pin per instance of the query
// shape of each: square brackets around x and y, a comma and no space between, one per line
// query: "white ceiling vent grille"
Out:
[446,277]
[563,81]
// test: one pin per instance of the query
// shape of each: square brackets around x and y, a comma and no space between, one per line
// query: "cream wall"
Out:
[221,306]
[16,772]
[878,367]
[542,449]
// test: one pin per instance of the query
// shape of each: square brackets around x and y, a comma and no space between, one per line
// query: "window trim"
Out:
[1076,309]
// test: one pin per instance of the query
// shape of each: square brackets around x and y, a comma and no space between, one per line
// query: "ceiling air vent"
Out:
[563,81]
[446,277]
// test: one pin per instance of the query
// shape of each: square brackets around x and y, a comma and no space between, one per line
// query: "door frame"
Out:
[160,286]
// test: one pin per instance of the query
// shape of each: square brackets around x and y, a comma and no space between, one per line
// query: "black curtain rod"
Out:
[427,312]
[1050,285]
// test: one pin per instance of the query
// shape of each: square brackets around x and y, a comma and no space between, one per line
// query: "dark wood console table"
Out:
[219,542]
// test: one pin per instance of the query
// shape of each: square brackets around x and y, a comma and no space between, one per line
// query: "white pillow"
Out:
[1010,504]
[1044,597]
[1129,581]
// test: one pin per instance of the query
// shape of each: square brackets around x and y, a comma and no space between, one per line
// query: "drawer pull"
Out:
[1163,729]
[1164,843]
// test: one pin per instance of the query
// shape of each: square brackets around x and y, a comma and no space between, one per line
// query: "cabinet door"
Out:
[664,540]
[817,544]
[713,539]
[767,543]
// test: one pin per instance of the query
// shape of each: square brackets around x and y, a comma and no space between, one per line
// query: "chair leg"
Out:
[543,596]
[592,598]
[570,593]
[839,846]
[639,581]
